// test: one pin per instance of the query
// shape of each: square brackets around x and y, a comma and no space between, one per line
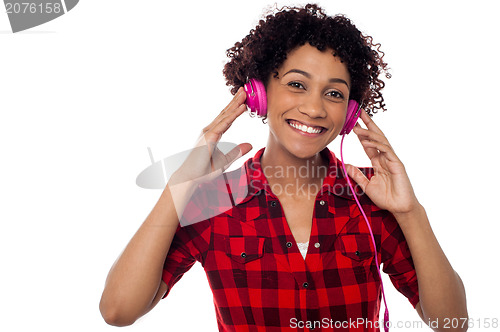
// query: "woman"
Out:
[288,248]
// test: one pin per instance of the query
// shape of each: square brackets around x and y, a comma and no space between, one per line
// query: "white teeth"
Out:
[305,128]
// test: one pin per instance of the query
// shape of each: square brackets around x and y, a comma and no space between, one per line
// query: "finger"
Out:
[234,104]
[238,99]
[370,124]
[357,176]
[370,134]
[370,152]
[383,148]
[223,161]
[236,153]
[214,133]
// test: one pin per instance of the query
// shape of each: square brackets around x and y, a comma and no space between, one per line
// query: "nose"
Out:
[312,106]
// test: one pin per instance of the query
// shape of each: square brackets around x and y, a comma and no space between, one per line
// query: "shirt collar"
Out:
[252,179]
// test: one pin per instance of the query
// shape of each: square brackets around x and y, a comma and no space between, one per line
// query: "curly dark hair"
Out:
[266,47]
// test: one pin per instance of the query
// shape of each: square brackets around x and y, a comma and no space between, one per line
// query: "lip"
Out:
[305,123]
[323,129]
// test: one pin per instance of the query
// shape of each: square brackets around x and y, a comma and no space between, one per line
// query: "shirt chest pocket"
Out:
[357,247]
[245,249]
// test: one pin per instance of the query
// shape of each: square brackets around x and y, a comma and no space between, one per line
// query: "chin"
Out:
[304,152]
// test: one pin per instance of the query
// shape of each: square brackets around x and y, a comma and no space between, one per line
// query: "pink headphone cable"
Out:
[386,313]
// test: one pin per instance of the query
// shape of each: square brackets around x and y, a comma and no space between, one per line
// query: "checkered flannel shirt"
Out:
[236,228]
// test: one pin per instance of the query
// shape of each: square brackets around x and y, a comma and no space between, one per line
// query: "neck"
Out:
[289,175]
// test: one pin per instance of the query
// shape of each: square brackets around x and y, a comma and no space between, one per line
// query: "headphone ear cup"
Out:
[256,97]
[352,117]
[262,97]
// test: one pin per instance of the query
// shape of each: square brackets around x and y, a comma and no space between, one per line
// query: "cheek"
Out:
[278,104]
[338,113]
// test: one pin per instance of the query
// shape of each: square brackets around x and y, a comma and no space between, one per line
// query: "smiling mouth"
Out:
[304,128]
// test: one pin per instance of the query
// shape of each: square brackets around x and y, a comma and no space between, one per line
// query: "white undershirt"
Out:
[303,248]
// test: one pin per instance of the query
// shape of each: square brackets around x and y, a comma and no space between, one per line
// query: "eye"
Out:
[297,85]
[335,94]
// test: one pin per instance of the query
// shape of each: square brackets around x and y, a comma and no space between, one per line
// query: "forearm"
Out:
[441,291]
[133,280]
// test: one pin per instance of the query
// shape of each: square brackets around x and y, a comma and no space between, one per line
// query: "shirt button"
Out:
[273,203]
[322,202]
[357,253]
[289,244]
[243,255]
[305,285]
[316,245]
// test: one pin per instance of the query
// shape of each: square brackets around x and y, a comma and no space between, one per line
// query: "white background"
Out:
[83,96]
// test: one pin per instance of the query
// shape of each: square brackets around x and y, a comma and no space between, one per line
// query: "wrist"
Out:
[413,215]
[178,177]
[188,178]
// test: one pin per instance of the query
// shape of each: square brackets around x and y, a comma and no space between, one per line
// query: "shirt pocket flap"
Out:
[245,249]
[357,246]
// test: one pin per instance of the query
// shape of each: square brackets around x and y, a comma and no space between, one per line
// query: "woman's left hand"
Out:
[389,188]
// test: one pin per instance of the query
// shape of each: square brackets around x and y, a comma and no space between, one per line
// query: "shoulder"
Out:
[219,194]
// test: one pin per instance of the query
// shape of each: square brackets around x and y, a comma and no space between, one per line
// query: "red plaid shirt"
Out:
[235,227]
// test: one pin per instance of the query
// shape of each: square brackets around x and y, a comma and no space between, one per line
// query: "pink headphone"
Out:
[257,102]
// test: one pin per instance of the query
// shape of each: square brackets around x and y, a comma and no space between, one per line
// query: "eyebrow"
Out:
[306,74]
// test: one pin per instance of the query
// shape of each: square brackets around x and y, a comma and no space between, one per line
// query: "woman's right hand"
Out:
[206,161]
